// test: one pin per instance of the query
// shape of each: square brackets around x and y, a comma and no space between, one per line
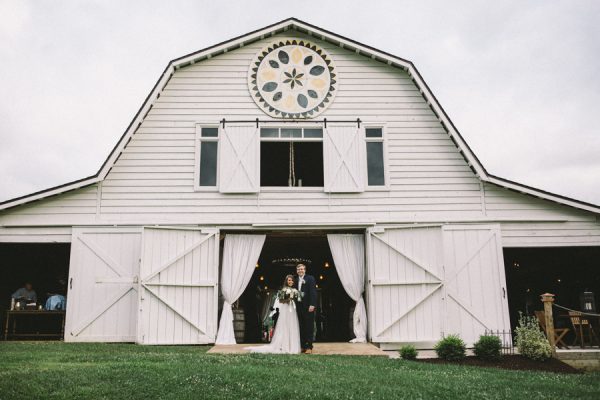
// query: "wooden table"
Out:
[13,315]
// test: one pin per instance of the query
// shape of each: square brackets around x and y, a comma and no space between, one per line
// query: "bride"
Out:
[286,338]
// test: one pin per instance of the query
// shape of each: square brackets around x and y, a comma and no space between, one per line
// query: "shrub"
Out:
[488,348]
[408,352]
[451,348]
[530,340]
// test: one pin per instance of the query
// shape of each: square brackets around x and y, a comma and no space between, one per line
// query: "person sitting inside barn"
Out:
[26,294]
[56,297]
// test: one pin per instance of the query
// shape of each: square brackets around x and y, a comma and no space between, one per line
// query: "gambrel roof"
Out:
[322,34]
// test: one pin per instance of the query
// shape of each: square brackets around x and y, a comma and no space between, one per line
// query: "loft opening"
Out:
[46,267]
[291,157]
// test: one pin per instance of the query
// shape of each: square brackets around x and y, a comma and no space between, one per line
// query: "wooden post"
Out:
[548,299]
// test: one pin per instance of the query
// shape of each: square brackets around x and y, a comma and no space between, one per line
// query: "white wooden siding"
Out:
[77,207]
[427,173]
[152,180]
[36,235]
[520,234]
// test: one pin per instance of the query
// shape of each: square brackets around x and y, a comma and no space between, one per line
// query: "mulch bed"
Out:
[514,362]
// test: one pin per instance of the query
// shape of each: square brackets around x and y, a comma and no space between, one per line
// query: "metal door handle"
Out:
[71,283]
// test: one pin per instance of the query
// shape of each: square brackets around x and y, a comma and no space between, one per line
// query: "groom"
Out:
[306,308]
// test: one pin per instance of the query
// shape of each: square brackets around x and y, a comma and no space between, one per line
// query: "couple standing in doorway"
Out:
[294,331]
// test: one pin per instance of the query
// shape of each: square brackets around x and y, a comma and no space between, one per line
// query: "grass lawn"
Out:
[43,370]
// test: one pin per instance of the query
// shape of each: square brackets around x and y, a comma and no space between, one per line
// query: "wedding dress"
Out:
[286,339]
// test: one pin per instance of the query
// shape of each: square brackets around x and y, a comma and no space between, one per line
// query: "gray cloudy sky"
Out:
[520,79]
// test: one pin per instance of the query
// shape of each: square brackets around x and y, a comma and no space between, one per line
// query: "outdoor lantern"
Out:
[586,299]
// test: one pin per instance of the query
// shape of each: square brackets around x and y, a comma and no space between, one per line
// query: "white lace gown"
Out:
[286,339]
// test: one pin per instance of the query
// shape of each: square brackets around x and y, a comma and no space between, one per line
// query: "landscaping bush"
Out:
[488,348]
[408,352]
[451,348]
[530,340]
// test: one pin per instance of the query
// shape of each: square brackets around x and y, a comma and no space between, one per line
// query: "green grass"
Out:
[41,370]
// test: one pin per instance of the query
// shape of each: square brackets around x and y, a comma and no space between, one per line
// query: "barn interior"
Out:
[46,267]
[291,164]
[279,257]
[566,272]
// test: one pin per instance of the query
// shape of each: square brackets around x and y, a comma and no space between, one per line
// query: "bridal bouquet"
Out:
[289,294]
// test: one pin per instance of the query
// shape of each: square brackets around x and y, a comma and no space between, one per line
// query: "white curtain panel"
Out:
[349,258]
[240,255]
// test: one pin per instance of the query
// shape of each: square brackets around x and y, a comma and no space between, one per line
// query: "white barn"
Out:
[292,133]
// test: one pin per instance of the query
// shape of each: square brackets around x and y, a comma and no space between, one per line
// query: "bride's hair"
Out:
[286,280]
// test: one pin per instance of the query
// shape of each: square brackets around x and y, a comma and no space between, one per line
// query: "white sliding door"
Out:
[344,159]
[239,159]
[475,282]
[102,297]
[179,291]
[405,281]
[426,282]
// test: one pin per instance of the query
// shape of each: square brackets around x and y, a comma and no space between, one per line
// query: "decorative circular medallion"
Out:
[292,78]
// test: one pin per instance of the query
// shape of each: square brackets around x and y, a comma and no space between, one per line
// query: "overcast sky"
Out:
[520,79]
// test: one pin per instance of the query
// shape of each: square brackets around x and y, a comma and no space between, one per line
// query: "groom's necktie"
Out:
[300,282]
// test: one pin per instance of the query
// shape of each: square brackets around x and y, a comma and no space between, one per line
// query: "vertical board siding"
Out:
[177,286]
[93,282]
[475,283]
[394,274]
[451,278]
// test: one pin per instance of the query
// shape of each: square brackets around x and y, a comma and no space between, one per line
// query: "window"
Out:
[296,133]
[291,157]
[209,142]
[375,164]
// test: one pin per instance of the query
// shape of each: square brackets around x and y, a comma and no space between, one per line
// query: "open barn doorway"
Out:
[566,272]
[279,257]
[45,266]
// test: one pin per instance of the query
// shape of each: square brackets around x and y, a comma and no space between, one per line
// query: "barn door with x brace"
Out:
[405,268]
[178,286]
[344,158]
[429,281]
[239,158]
[102,293]
[475,284]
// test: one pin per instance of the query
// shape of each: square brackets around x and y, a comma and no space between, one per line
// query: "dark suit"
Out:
[305,318]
